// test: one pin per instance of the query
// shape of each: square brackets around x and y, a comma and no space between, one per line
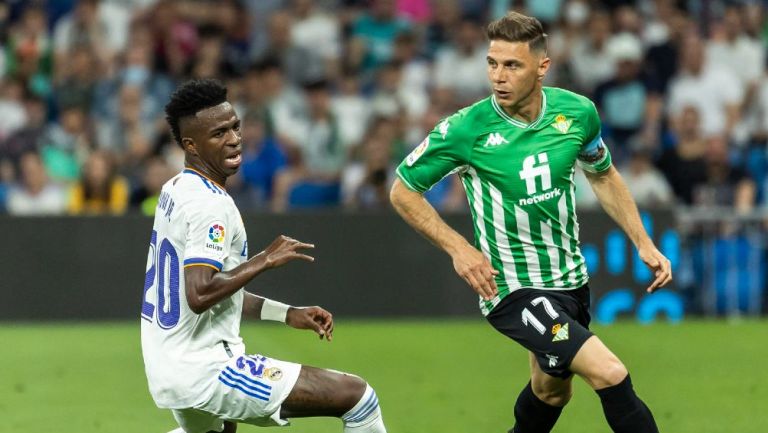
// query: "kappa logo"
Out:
[562,124]
[552,360]
[495,139]
[560,332]
[443,128]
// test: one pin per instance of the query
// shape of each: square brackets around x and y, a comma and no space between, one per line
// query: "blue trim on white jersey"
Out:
[368,408]
[203,261]
[208,183]
[248,379]
[241,388]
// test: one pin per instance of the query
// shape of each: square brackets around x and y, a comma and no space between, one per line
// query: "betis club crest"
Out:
[562,124]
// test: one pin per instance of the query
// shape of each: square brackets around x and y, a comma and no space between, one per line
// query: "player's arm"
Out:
[446,148]
[206,286]
[314,318]
[615,198]
[468,262]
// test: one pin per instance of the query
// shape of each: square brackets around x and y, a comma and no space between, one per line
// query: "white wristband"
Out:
[273,310]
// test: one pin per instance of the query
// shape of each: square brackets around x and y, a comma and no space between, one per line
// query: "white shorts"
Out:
[249,389]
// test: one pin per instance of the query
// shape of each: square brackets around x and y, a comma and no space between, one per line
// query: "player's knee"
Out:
[610,374]
[353,391]
[556,396]
[365,408]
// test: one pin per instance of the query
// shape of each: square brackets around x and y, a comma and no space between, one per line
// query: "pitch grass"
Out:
[431,376]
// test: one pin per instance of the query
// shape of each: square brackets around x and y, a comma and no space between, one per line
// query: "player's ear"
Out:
[544,63]
[189,145]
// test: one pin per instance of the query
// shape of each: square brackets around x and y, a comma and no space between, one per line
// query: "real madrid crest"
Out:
[562,124]
[273,373]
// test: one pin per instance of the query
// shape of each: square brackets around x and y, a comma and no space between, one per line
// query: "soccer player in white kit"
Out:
[193,301]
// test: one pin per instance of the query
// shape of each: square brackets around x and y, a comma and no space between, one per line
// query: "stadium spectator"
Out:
[365,184]
[100,190]
[439,31]
[317,156]
[374,33]
[683,162]
[352,108]
[27,138]
[263,158]
[725,184]
[590,62]
[155,173]
[712,90]
[297,63]
[98,26]
[65,144]
[76,79]
[646,184]
[12,114]
[622,100]
[316,30]
[35,194]
[731,47]
[174,37]
[460,65]
[29,54]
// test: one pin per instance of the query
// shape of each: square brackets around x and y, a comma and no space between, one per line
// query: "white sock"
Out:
[178,430]
[365,417]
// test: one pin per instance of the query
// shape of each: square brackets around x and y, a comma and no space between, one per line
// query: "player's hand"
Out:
[660,265]
[476,270]
[314,318]
[284,249]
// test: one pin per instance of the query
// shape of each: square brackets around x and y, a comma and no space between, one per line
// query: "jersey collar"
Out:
[197,173]
[500,111]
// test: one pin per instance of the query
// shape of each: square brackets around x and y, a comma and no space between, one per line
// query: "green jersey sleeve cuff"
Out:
[406,182]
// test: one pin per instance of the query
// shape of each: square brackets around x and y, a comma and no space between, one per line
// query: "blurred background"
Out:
[333,94]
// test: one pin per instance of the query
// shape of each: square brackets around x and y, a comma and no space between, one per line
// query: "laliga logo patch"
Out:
[216,233]
[417,152]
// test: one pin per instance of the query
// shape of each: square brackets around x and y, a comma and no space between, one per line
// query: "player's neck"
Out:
[528,109]
[204,171]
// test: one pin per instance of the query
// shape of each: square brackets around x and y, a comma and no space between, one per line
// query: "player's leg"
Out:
[606,374]
[320,392]
[540,403]
[197,421]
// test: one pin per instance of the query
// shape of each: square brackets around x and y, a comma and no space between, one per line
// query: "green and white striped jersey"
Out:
[519,183]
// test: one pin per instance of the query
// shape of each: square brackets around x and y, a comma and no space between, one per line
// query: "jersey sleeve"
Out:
[594,156]
[209,235]
[443,151]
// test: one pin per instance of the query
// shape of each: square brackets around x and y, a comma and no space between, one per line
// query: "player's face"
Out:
[212,139]
[514,71]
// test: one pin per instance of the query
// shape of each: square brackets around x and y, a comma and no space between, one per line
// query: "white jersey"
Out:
[196,224]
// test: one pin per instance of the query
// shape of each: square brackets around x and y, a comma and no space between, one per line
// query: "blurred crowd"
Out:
[333,94]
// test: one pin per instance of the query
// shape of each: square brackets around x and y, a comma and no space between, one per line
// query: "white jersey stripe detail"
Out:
[477,203]
[562,213]
[502,241]
[577,250]
[552,251]
[531,256]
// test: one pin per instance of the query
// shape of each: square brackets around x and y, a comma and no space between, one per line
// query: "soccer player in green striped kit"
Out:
[516,153]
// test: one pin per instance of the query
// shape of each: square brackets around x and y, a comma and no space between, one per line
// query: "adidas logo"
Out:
[495,139]
[561,332]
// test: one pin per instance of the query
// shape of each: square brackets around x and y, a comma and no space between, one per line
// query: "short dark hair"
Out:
[190,98]
[516,27]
